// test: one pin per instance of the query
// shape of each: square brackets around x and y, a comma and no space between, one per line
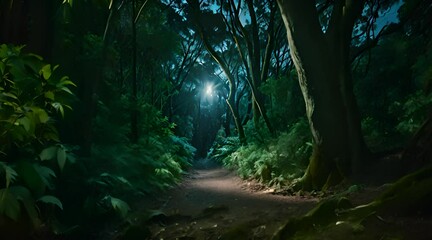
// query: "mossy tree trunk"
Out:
[322,63]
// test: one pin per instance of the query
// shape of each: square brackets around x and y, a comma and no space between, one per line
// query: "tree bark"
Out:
[323,67]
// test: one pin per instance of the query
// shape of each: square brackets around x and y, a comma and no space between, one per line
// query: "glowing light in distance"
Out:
[209,90]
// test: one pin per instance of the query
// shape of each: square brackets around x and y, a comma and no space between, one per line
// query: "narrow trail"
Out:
[213,203]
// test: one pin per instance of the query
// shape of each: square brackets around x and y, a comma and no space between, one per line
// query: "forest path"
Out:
[214,203]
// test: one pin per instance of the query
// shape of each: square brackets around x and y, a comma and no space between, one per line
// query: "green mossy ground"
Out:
[336,218]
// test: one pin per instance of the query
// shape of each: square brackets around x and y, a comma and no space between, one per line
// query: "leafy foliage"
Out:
[276,162]
[286,100]
[411,113]
[32,95]
[399,107]
[119,172]
[224,147]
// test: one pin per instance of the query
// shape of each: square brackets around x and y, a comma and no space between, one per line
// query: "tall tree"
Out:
[321,56]
[255,58]
[224,65]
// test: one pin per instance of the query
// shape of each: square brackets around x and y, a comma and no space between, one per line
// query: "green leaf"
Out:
[45,171]
[49,95]
[47,174]
[124,181]
[9,204]
[58,107]
[11,104]
[34,55]
[71,157]
[61,157]
[48,153]
[20,192]
[10,173]
[46,71]
[51,200]
[2,68]
[65,89]
[64,81]
[30,177]
[11,95]
[41,114]
[70,2]
[120,206]
[24,195]
[67,106]
[25,122]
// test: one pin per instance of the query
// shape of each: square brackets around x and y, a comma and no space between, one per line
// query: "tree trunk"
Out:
[259,66]
[236,116]
[227,122]
[321,61]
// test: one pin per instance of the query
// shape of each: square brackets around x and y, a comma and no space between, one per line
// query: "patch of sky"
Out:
[388,17]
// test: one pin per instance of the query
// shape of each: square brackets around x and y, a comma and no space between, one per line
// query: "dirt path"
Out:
[213,203]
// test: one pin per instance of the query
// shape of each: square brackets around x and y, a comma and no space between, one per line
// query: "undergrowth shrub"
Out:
[119,172]
[412,112]
[275,161]
[223,147]
[32,97]
[408,114]
[286,101]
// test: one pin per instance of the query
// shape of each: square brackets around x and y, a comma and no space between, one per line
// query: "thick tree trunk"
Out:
[324,76]
[338,36]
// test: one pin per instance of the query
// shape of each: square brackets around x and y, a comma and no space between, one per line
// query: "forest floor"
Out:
[214,203]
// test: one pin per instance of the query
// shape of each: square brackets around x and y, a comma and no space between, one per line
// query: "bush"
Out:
[120,172]
[223,147]
[275,162]
[411,113]
[408,114]
[32,95]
